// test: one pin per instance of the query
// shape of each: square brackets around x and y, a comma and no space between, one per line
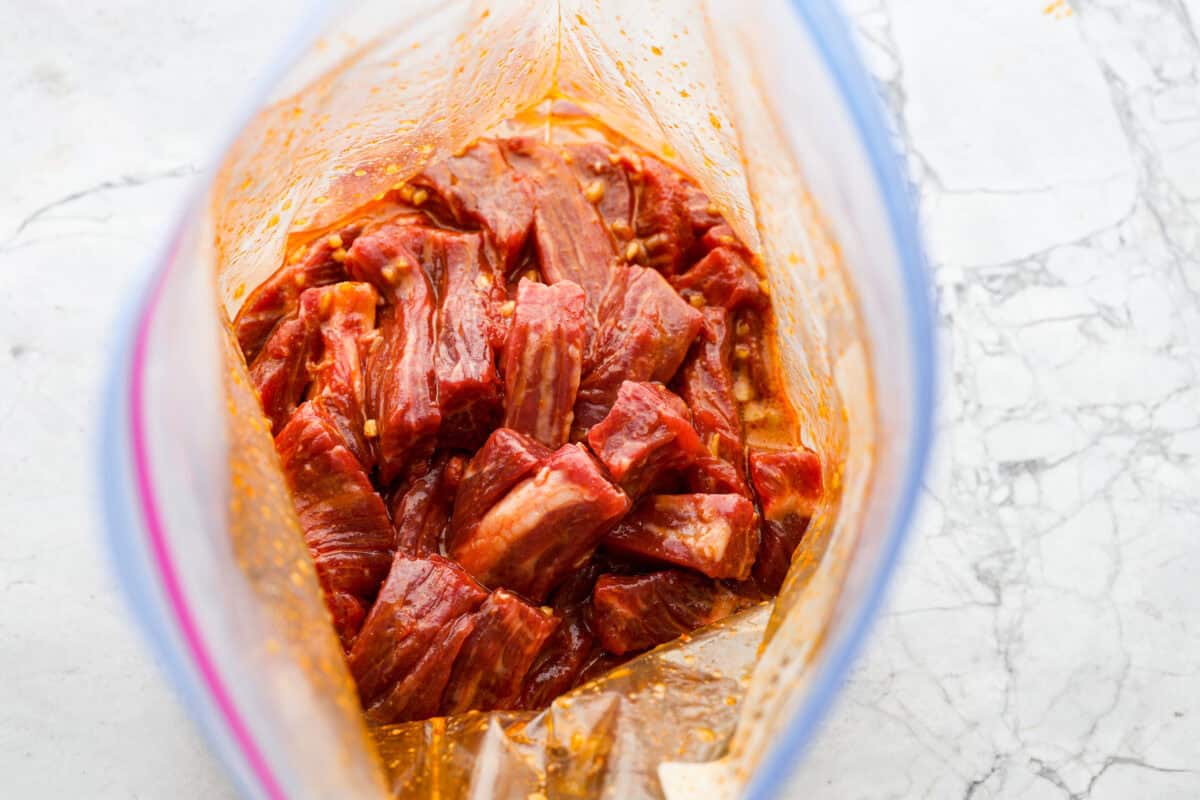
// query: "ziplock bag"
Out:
[773,115]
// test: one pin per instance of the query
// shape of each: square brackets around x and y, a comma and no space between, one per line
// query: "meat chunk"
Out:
[348,613]
[494,659]
[421,508]
[279,295]
[716,534]
[544,527]
[720,235]
[345,523]
[503,461]
[468,330]
[572,646]
[723,278]
[480,189]
[631,613]
[543,359]
[345,315]
[605,184]
[403,656]
[280,371]
[702,213]
[705,383]
[645,438]
[572,242]
[402,384]
[788,485]
[644,333]
[664,218]
[560,662]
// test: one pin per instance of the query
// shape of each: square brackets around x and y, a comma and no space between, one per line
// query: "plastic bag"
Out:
[771,114]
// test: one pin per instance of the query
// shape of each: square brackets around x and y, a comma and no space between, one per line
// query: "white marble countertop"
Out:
[1043,639]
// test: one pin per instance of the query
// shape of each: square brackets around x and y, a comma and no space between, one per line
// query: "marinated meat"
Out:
[788,485]
[421,508]
[404,653]
[720,235]
[635,612]
[499,651]
[705,383]
[645,330]
[664,217]
[345,523]
[543,360]
[490,348]
[702,212]
[348,613]
[468,331]
[572,242]
[402,384]
[280,371]
[605,185]
[279,295]
[345,314]
[544,527]
[503,461]
[716,534]
[479,189]
[646,437]
[560,664]
[722,278]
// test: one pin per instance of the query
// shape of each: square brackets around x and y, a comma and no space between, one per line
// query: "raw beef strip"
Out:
[543,360]
[788,485]
[634,612]
[646,437]
[716,534]
[404,653]
[491,666]
[645,330]
[544,527]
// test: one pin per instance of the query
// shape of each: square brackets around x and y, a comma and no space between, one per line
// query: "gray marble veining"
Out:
[1043,639]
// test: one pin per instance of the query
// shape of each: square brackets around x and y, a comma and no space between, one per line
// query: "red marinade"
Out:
[519,403]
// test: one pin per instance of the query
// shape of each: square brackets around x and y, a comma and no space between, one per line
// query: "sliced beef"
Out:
[491,666]
[403,655]
[543,359]
[479,189]
[345,523]
[279,295]
[705,383]
[646,438]
[345,316]
[664,218]
[280,370]
[605,184]
[544,527]
[722,278]
[645,330]
[635,612]
[566,654]
[421,507]
[573,243]
[402,385]
[505,459]
[468,333]
[788,485]
[716,534]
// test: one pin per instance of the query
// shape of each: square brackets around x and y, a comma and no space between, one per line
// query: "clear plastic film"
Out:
[748,108]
